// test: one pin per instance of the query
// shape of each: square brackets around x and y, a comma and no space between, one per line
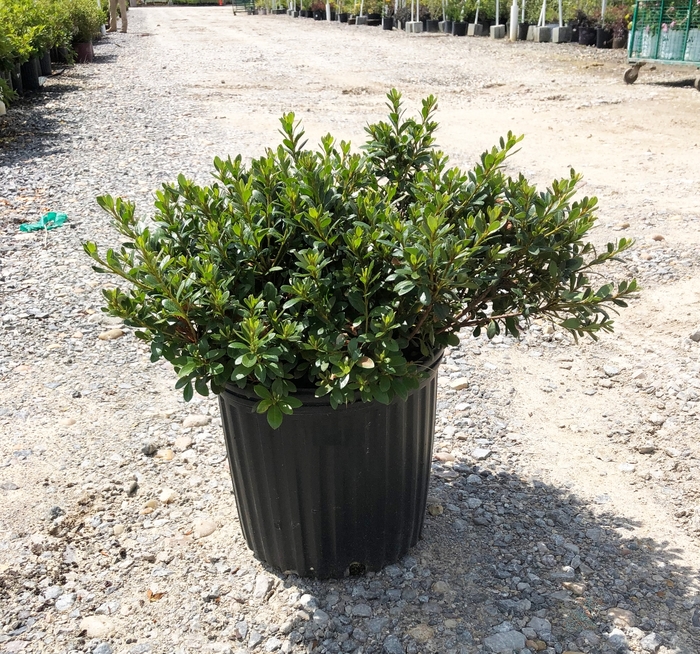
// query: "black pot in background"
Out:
[574,34]
[45,64]
[319,14]
[84,52]
[332,490]
[16,79]
[447,27]
[586,35]
[459,28]
[30,71]
[343,18]
[522,31]
[388,23]
[374,16]
[60,55]
[432,26]
[603,38]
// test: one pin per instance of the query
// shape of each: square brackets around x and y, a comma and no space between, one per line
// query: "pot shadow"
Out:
[104,58]
[677,83]
[503,551]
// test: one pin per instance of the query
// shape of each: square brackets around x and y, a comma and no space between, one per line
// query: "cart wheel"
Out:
[697,83]
[631,75]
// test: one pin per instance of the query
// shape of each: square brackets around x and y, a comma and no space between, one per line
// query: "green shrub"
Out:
[342,271]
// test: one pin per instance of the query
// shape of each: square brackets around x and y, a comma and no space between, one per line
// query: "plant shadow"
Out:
[506,551]
[678,83]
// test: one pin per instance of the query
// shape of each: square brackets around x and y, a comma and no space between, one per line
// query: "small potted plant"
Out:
[315,291]
[586,28]
[87,18]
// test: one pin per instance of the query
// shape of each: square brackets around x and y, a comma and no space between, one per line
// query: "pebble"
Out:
[621,617]
[182,443]
[67,422]
[203,528]
[96,626]
[627,467]
[422,633]
[507,641]
[195,421]
[657,419]
[362,611]
[647,448]
[111,334]
[65,602]
[263,584]
[9,485]
[695,336]
[481,454]
[458,384]
[611,371]
[168,496]
[651,642]
[392,645]
[103,648]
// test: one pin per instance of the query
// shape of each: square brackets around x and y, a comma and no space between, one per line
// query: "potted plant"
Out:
[388,16]
[86,18]
[586,28]
[459,12]
[314,291]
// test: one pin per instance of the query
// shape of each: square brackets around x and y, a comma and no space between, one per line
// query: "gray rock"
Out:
[102,648]
[273,644]
[53,592]
[540,625]
[255,639]
[695,336]
[9,485]
[651,642]
[376,625]
[362,611]
[617,640]
[65,602]
[321,618]
[611,371]
[481,453]
[263,583]
[308,602]
[506,642]
[141,648]
[392,645]
[474,479]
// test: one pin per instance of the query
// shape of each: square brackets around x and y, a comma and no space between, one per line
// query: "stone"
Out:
[195,420]
[657,237]
[67,422]
[627,467]
[149,449]
[611,371]
[203,528]
[308,602]
[695,336]
[507,641]
[657,419]
[422,633]
[440,587]
[167,496]
[445,456]
[65,602]
[263,583]
[182,443]
[111,334]
[165,455]
[435,509]
[255,639]
[617,640]
[96,626]
[118,529]
[474,479]
[103,648]
[321,618]
[9,485]
[621,617]
[647,448]
[651,642]
[540,625]
[273,644]
[392,645]
[53,592]
[458,384]
[141,648]
[362,611]
[481,453]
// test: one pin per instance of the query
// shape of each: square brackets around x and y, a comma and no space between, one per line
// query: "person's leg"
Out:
[122,9]
[112,16]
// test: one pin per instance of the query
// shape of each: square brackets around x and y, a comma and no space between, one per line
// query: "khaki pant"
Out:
[113,14]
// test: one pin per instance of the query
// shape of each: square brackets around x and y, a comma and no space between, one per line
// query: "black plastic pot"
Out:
[603,38]
[459,28]
[30,71]
[343,18]
[332,491]
[319,14]
[586,35]
[432,26]
[522,31]
[388,23]
[45,64]
[16,79]
[84,52]
[447,27]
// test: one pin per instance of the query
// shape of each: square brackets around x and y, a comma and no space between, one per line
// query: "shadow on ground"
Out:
[505,551]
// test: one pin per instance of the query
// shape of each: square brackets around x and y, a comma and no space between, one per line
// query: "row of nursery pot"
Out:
[582,21]
[35,32]
[314,292]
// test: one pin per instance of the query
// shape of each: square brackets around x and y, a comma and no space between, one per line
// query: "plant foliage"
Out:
[341,271]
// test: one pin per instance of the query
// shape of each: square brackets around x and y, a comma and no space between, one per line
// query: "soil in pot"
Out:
[586,35]
[84,52]
[332,490]
[459,28]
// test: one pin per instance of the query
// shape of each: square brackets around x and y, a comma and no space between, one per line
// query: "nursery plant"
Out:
[342,271]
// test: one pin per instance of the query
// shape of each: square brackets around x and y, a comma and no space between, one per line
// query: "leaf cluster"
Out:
[342,271]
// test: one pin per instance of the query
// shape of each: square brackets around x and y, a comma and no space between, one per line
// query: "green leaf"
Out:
[274,417]
[406,286]
[187,392]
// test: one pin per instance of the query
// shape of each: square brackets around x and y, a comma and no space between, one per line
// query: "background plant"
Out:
[342,271]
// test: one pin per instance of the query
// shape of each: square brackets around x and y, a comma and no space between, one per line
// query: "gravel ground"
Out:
[564,509]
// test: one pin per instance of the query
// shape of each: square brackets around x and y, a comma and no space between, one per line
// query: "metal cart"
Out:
[664,32]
